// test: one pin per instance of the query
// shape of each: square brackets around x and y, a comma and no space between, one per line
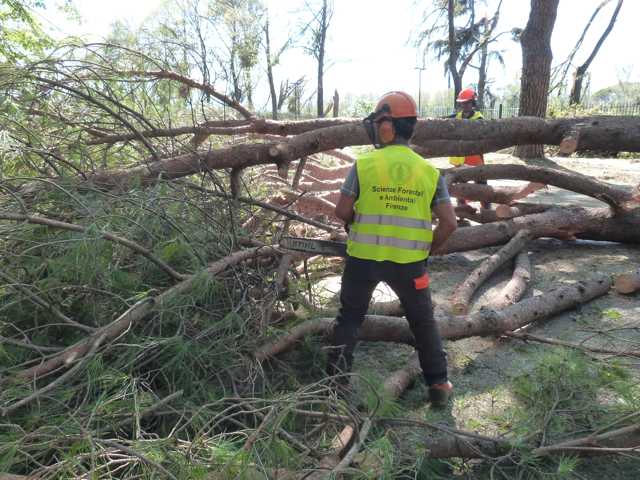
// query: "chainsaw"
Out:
[318,247]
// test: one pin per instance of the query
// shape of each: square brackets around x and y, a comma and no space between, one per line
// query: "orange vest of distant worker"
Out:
[472,160]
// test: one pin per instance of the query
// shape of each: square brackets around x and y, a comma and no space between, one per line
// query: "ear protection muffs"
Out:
[386,130]
[379,127]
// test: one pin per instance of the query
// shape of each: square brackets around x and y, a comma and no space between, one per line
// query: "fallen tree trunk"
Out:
[492,194]
[455,138]
[626,439]
[615,195]
[558,222]
[439,137]
[462,294]
[628,282]
[482,323]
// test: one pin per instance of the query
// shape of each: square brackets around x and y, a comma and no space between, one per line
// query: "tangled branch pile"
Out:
[142,291]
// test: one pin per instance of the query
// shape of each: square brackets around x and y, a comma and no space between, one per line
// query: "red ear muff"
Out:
[386,132]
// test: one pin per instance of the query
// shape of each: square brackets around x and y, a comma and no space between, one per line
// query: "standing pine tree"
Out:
[536,67]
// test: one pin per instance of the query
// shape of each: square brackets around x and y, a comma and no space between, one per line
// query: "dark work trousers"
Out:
[359,280]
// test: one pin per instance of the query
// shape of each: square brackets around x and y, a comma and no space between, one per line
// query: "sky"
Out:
[369,48]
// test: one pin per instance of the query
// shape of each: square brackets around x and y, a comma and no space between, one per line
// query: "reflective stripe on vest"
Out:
[471,159]
[388,241]
[392,218]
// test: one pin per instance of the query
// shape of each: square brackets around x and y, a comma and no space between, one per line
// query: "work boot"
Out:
[440,393]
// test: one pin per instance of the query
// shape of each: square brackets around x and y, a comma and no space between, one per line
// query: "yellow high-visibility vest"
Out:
[457,161]
[393,212]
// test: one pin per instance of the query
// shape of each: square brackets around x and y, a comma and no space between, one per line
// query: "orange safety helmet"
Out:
[397,105]
[391,106]
[466,95]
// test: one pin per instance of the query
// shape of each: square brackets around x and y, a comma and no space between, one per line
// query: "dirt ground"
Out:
[483,368]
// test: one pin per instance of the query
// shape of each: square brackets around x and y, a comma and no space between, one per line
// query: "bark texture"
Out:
[565,223]
[434,137]
[536,66]
[516,287]
[462,294]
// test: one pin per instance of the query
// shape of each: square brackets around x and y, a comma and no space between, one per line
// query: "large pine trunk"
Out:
[536,67]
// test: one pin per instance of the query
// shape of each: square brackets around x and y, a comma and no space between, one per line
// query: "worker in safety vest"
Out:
[388,203]
[466,102]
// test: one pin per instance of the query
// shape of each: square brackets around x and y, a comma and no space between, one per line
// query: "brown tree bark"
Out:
[558,222]
[492,194]
[504,212]
[536,67]
[515,288]
[617,196]
[483,215]
[433,137]
[462,294]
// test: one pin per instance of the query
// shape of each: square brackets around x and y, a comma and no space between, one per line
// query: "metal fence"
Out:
[506,110]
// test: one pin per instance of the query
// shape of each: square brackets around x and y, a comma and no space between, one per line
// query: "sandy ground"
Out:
[482,368]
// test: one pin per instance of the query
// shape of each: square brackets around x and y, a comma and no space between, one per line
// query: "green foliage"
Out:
[623,92]
[20,35]
[565,392]
[568,382]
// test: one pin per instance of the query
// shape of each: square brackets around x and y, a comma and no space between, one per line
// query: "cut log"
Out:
[628,282]
[491,322]
[463,293]
[515,288]
[307,205]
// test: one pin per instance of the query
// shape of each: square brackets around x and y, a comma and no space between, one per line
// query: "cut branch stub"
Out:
[280,154]
[628,282]
[569,143]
